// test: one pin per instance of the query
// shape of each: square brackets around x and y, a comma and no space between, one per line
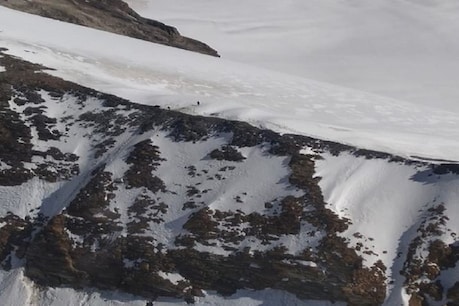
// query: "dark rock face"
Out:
[15,133]
[93,242]
[52,245]
[422,273]
[226,153]
[446,168]
[112,16]
[14,235]
[453,295]
[143,160]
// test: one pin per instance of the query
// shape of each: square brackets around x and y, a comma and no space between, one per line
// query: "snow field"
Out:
[27,199]
[382,199]
[386,203]
[15,288]
[155,74]
[403,49]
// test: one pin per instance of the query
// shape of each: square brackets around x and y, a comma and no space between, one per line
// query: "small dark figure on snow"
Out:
[198,103]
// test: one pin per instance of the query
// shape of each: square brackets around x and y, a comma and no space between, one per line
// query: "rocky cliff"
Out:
[112,16]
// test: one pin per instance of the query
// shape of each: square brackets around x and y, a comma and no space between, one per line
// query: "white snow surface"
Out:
[385,203]
[159,75]
[28,198]
[404,49]
[174,278]
[15,288]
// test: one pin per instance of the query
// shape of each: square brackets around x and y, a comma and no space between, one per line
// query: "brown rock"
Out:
[112,16]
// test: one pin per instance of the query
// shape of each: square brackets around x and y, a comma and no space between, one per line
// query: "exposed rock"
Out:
[143,160]
[367,287]
[14,235]
[453,295]
[422,272]
[446,168]
[416,300]
[49,261]
[112,16]
[93,242]
[228,153]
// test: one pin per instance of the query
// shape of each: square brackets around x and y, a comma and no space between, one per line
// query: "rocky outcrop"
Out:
[114,233]
[428,257]
[112,16]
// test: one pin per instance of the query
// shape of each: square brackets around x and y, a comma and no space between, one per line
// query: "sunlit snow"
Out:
[155,74]
[404,49]
[271,50]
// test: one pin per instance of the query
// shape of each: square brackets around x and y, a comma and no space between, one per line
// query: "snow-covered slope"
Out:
[159,195]
[100,192]
[389,205]
[404,49]
[154,74]
[156,202]
[16,289]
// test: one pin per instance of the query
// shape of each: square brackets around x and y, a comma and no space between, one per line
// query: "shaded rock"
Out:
[228,153]
[453,294]
[143,160]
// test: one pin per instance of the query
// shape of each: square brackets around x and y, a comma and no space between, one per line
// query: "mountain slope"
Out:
[114,16]
[141,72]
[101,194]
[154,194]
[159,203]
[403,49]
